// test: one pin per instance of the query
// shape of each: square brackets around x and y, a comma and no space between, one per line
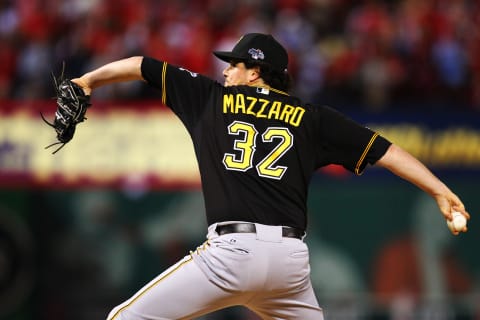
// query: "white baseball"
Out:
[458,222]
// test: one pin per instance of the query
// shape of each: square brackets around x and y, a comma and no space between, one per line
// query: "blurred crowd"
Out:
[369,54]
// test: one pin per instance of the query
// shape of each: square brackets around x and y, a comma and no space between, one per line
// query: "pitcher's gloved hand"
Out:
[72,104]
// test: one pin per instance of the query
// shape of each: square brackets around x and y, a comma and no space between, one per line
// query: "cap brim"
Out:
[227,56]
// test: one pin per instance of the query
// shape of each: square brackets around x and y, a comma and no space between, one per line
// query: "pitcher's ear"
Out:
[254,73]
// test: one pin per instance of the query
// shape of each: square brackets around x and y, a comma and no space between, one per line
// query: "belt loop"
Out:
[212,232]
[304,236]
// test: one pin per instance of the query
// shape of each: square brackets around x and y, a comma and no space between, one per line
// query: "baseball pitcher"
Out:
[257,147]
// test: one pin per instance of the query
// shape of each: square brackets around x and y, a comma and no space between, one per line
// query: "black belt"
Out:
[288,232]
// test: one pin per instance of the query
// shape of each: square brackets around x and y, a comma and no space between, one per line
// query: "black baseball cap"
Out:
[257,47]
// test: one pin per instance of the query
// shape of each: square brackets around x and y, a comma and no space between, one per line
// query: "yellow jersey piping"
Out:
[164,91]
[364,154]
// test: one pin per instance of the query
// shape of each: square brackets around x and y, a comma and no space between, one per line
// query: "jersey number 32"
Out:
[246,145]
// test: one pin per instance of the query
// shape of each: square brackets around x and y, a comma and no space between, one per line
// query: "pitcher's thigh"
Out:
[181,292]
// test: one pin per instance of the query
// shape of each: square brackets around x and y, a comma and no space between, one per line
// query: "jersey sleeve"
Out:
[348,143]
[183,91]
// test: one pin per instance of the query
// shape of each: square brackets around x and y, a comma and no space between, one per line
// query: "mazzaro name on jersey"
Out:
[262,108]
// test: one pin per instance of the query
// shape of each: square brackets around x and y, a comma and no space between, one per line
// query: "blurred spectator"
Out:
[370,54]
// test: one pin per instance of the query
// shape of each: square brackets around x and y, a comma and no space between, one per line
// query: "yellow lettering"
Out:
[228,103]
[260,113]
[297,116]
[253,101]
[449,151]
[240,104]
[274,111]
[286,113]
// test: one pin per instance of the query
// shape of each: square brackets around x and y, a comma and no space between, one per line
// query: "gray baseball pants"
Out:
[263,271]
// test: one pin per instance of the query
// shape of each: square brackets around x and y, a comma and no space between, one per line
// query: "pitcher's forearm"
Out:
[404,165]
[118,71]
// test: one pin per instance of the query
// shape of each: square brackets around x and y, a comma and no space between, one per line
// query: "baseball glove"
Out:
[72,104]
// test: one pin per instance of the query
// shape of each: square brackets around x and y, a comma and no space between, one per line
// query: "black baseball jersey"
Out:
[257,148]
